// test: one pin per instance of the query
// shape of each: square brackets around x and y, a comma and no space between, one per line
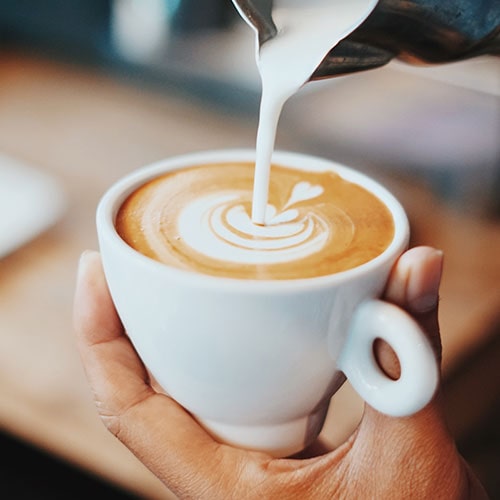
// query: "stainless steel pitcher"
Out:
[416,31]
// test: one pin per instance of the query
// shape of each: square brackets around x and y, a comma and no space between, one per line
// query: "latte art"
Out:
[220,227]
[200,219]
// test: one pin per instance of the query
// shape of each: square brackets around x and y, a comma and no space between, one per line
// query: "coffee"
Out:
[199,219]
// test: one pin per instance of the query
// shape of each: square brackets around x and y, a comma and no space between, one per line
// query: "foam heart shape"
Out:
[304,191]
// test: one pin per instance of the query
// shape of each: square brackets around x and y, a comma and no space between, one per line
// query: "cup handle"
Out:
[375,319]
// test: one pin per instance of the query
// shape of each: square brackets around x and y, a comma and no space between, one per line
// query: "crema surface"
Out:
[199,219]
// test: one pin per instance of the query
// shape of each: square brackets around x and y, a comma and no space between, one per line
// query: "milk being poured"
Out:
[307,31]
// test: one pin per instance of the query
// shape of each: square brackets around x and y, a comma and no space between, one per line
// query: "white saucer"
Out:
[30,202]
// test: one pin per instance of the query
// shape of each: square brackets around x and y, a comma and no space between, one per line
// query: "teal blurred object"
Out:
[188,16]
[66,27]
[161,37]
[84,27]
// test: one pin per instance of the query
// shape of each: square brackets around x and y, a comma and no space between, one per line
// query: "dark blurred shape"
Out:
[66,27]
[28,472]
[428,31]
[195,15]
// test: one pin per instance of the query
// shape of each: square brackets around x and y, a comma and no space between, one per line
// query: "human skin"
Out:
[412,457]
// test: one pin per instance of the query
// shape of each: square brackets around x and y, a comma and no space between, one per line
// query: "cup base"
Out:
[277,439]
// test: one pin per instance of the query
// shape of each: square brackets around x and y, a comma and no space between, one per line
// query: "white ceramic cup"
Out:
[256,362]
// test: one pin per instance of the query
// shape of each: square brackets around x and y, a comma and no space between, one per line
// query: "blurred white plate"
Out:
[30,202]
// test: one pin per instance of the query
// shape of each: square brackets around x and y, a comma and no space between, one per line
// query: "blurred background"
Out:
[92,89]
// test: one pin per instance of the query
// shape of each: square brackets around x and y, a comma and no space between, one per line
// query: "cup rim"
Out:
[117,193]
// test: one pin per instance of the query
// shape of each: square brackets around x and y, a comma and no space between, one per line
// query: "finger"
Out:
[154,427]
[422,438]
[414,286]
[109,360]
[415,279]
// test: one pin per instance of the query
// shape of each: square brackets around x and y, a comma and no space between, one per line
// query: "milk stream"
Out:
[307,31]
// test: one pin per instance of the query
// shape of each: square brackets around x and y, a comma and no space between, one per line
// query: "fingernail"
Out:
[84,256]
[425,303]
[83,261]
[423,287]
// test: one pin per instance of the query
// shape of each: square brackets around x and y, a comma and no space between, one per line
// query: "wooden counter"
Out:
[88,130]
